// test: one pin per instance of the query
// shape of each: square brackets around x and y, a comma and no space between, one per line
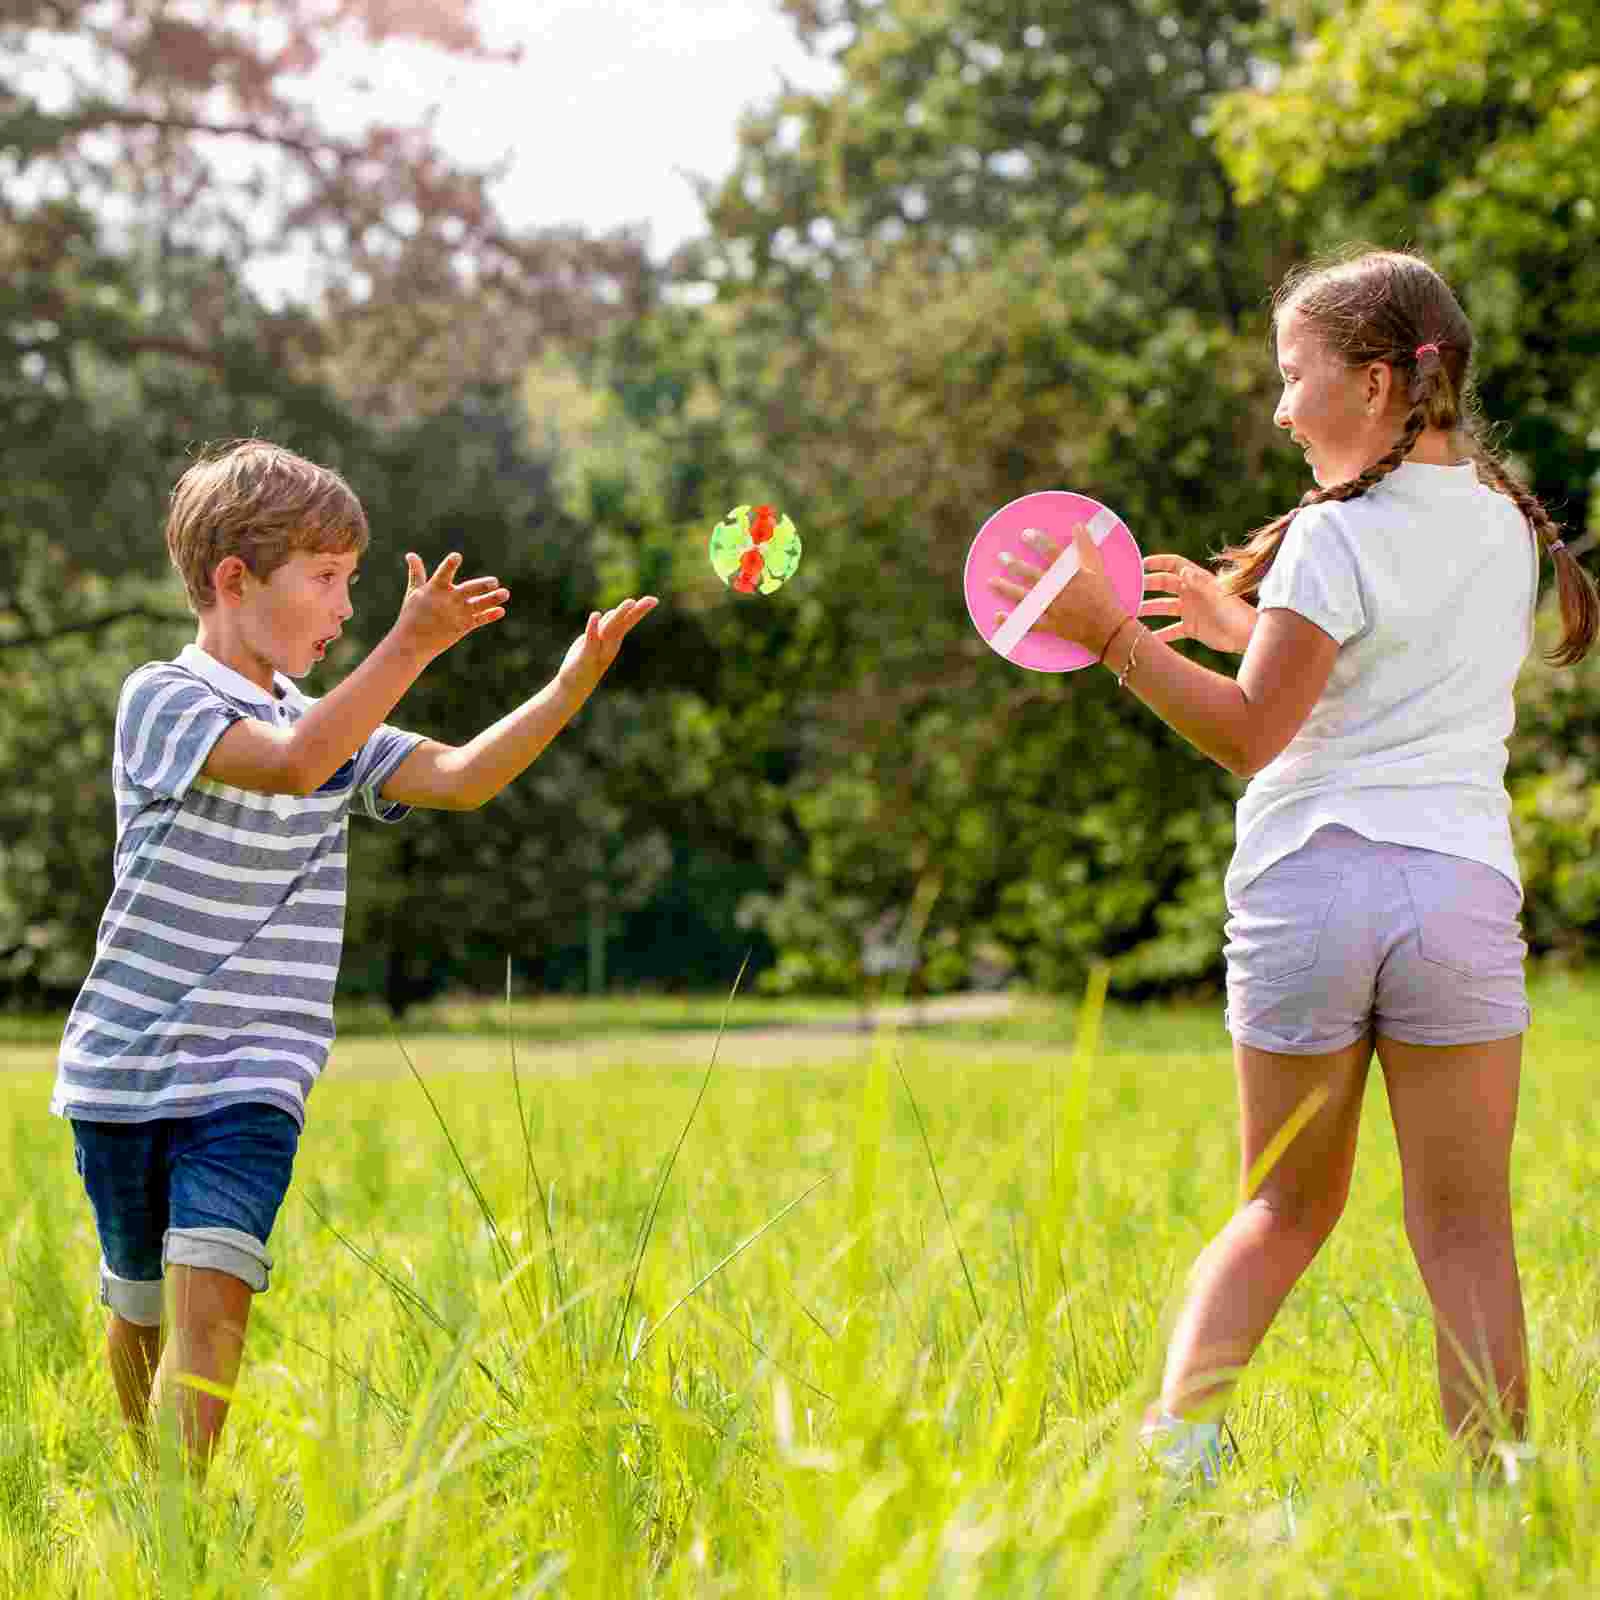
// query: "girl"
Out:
[1373,895]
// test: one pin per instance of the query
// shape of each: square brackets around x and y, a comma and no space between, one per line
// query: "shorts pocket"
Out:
[1467,916]
[1276,928]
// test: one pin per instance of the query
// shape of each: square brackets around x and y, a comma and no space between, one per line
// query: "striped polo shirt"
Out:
[216,960]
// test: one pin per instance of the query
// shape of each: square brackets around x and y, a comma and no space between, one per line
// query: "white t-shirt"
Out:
[1428,583]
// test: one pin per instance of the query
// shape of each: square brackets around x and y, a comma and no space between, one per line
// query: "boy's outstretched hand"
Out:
[438,611]
[593,651]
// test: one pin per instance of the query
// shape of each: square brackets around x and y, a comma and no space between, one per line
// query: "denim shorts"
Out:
[193,1191]
[1349,935]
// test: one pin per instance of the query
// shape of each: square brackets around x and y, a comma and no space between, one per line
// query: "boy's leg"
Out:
[230,1172]
[124,1175]
[134,1351]
[210,1310]
[1244,1274]
[1455,1115]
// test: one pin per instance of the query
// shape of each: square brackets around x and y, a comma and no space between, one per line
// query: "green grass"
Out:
[555,1018]
[827,1413]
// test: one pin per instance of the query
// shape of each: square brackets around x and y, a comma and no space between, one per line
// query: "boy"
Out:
[207,1014]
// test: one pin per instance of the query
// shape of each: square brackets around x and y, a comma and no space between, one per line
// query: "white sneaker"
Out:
[1182,1448]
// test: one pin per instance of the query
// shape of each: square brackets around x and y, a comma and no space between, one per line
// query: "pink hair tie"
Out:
[1427,350]
[1556,544]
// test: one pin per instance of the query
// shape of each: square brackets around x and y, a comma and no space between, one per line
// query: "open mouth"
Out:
[321,645]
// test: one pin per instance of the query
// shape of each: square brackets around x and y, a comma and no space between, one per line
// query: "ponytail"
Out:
[1580,601]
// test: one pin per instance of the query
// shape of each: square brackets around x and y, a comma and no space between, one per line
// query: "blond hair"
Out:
[262,503]
[1391,306]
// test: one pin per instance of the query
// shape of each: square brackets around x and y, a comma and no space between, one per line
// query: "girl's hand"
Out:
[1087,612]
[1204,612]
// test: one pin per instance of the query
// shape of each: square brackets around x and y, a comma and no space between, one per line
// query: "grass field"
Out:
[873,1397]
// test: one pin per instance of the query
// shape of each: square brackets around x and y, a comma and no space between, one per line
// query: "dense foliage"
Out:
[1018,246]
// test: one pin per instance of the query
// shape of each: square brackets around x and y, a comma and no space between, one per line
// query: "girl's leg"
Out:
[1244,1274]
[1455,1113]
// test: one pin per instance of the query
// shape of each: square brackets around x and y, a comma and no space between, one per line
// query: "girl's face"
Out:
[1334,412]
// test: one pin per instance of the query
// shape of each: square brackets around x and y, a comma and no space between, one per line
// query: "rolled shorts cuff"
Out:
[1263,1039]
[135,1300]
[1513,1027]
[241,1255]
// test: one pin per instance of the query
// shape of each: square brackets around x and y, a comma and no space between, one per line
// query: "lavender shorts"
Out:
[1349,935]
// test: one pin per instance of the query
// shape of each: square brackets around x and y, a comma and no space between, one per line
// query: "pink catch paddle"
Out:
[1054,512]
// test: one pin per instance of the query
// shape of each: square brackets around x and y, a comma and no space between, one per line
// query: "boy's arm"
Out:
[299,760]
[463,777]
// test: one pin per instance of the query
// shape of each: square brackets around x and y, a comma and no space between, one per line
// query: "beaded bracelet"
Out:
[1100,660]
[1133,656]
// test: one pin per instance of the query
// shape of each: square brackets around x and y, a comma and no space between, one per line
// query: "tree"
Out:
[188,124]
[1002,256]
[971,124]
[129,225]
[1470,129]
[159,158]
[445,897]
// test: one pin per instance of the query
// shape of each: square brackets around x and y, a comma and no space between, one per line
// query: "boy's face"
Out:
[291,619]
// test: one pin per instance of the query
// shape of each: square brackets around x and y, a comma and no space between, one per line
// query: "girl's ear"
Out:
[1380,386]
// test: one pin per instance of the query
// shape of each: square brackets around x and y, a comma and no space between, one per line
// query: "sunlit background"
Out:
[613,110]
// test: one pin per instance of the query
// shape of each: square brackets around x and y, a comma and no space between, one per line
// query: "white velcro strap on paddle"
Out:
[1058,575]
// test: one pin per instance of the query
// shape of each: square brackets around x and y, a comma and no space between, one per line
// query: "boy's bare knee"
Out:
[209,1307]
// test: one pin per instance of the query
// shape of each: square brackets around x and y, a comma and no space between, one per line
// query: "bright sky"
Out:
[614,104]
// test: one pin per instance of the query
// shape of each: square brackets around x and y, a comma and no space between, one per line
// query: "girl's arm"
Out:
[1241,723]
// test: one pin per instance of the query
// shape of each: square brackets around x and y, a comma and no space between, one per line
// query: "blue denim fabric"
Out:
[225,1169]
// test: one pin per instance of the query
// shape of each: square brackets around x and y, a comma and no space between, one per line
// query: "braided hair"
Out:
[1392,307]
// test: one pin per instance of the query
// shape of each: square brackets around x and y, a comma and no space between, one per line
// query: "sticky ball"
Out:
[754,550]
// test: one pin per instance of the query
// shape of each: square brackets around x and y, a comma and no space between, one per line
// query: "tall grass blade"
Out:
[397,1285]
[672,1160]
[531,1170]
[408,1296]
[871,1124]
[708,1310]
[1292,1127]
[738,1250]
[508,1262]
[1361,1333]
[961,1255]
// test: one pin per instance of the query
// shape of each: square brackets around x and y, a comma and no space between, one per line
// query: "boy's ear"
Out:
[227,578]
